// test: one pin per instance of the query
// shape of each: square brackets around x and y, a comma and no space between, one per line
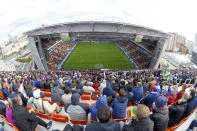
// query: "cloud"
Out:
[169,16]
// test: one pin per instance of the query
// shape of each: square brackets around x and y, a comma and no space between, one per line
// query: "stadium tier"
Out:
[95,45]
[98,100]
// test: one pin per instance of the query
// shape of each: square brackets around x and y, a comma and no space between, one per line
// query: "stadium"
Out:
[97,76]
[95,45]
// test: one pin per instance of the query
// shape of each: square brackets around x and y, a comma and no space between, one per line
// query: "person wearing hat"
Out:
[77,110]
[88,87]
[44,106]
[56,93]
[142,121]
[160,114]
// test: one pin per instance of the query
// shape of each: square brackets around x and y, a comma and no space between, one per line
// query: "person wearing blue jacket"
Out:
[138,92]
[119,105]
[36,82]
[102,101]
[107,91]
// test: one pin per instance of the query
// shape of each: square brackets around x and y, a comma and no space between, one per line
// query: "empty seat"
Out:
[59,118]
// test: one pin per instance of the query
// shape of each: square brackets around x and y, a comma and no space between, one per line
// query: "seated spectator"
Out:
[160,114]
[56,93]
[138,92]
[130,94]
[88,87]
[182,91]
[68,127]
[119,105]
[44,106]
[172,93]
[177,110]
[142,121]
[5,91]
[193,126]
[150,98]
[76,110]
[104,124]
[195,99]
[67,95]
[102,101]
[3,107]
[9,113]
[26,120]
[190,103]
[107,91]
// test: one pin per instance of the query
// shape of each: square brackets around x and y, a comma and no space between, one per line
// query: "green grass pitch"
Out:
[97,55]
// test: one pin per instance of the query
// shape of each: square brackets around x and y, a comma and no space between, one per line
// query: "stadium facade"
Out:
[93,31]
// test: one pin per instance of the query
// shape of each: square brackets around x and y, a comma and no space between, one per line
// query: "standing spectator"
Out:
[76,110]
[26,120]
[138,92]
[160,114]
[142,122]
[182,91]
[67,95]
[104,124]
[119,105]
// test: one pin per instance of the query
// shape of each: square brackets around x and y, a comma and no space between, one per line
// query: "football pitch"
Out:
[97,55]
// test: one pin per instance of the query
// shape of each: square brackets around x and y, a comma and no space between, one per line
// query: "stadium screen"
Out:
[138,38]
[65,36]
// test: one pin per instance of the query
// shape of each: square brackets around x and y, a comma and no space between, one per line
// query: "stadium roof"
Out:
[96,26]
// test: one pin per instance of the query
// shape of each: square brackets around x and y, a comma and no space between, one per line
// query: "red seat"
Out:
[2,96]
[59,118]
[95,98]
[47,90]
[42,115]
[48,94]
[118,120]
[85,97]
[79,122]
[97,92]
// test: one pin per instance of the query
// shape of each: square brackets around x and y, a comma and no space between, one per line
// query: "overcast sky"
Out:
[17,16]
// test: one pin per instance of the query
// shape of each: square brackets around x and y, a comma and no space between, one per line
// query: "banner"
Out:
[65,37]
[138,38]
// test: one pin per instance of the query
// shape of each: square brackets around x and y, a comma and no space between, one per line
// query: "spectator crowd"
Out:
[126,101]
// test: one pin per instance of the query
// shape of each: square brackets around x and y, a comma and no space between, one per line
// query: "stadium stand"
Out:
[163,82]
